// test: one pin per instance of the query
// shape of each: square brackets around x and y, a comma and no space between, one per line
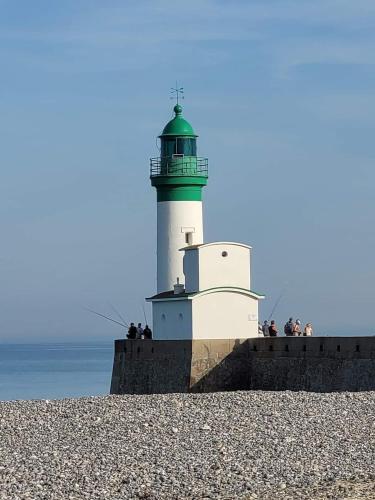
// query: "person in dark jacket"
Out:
[147,333]
[288,328]
[272,329]
[132,332]
[265,328]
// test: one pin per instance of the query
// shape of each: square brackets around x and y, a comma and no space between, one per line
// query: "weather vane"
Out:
[177,93]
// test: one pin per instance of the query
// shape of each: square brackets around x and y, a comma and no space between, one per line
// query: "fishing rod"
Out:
[144,314]
[118,314]
[278,301]
[106,317]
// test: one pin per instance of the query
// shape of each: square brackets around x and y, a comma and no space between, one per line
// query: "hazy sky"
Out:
[282,95]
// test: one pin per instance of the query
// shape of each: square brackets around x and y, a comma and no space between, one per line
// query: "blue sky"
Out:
[282,95]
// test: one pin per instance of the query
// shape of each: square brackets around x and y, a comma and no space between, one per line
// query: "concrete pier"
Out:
[319,364]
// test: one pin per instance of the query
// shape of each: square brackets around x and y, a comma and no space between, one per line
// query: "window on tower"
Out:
[186,146]
[168,146]
[189,238]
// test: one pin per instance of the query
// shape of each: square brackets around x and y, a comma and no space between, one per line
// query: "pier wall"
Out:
[319,364]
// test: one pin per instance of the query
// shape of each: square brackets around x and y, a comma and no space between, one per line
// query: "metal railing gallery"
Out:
[179,165]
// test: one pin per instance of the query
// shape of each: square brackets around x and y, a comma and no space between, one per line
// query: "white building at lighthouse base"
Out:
[215,302]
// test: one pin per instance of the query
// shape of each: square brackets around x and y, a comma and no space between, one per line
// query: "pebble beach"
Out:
[238,445]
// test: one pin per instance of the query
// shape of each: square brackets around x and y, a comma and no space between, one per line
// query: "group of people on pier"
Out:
[137,332]
[291,329]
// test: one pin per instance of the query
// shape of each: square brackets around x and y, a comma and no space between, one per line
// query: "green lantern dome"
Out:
[178,173]
[178,126]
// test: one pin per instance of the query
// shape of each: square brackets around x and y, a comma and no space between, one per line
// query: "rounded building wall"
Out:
[179,223]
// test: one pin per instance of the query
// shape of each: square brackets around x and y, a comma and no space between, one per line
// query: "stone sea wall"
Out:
[319,364]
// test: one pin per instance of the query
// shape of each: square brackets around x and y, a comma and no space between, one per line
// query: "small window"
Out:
[189,238]
[224,254]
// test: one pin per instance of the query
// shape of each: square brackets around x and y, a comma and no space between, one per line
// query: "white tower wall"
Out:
[179,223]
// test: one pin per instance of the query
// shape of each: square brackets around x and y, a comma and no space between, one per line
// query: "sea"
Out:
[55,371]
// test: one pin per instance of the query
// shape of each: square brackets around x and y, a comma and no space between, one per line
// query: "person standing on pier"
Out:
[297,328]
[272,329]
[289,327]
[147,333]
[265,329]
[308,330]
[132,332]
[139,331]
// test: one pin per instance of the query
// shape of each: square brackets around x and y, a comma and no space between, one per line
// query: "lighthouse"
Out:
[203,289]
[204,309]
[179,176]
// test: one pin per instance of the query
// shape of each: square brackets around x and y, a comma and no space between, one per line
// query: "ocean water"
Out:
[55,371]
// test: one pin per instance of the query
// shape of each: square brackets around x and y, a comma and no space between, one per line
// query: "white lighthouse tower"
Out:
[203,290]
[179,176]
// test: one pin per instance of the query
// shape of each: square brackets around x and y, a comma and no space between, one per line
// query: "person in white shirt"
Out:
[297,328]
[139,331]
[308,330]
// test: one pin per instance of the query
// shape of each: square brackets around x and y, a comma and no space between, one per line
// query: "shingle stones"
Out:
[245,445]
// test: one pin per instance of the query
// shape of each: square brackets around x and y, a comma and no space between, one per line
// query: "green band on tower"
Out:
[180,193]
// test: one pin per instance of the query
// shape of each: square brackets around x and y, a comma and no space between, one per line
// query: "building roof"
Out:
[170,295]
[194,247]
[178,125]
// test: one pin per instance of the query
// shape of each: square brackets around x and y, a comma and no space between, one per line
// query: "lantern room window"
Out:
[168,146]
[186,146]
